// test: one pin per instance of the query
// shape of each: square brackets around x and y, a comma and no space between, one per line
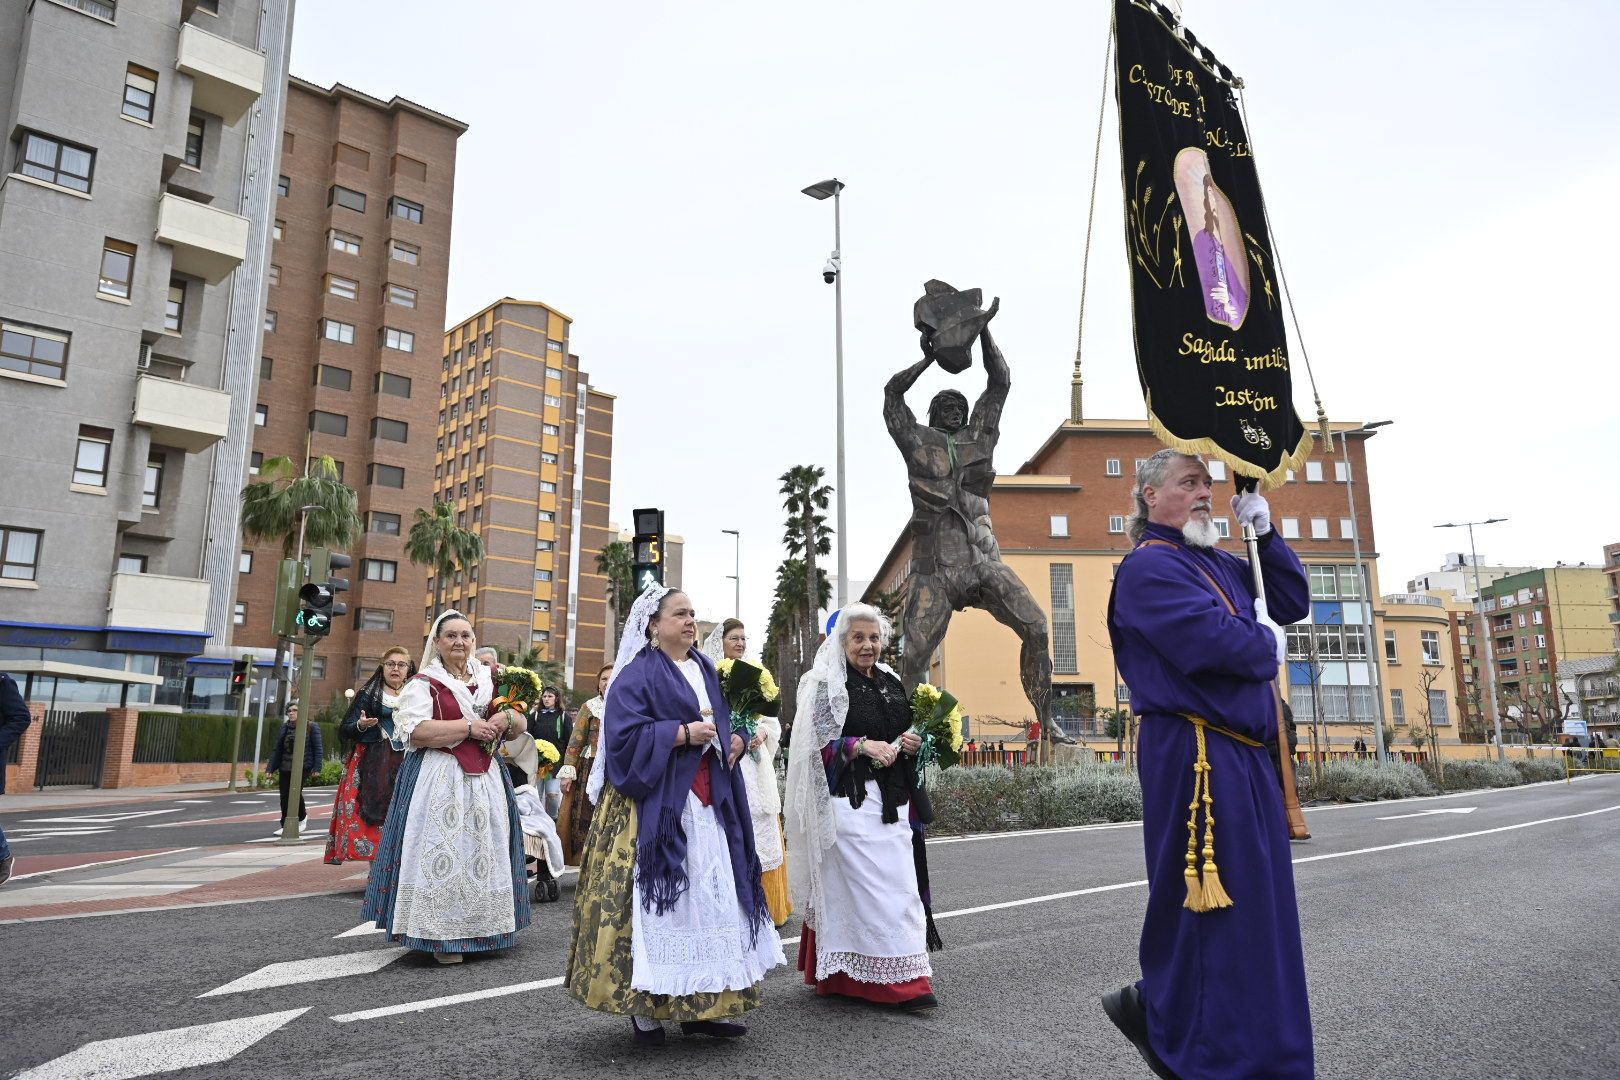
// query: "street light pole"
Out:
[835,267]
[737,577]
[1484,625]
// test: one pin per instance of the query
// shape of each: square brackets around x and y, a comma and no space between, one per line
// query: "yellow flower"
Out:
[724,667]
[548,752]
[767,685]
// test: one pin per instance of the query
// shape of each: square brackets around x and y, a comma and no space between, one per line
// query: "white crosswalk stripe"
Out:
[319,968]
[162,1051]
[360,931]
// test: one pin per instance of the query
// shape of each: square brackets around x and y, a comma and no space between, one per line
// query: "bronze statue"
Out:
[955,560]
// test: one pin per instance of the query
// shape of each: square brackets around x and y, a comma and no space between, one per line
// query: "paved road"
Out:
[1440,945]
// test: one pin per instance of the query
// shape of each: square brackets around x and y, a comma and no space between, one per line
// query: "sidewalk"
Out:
[66,798]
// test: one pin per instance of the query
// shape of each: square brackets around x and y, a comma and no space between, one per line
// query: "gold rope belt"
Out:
[1204,889]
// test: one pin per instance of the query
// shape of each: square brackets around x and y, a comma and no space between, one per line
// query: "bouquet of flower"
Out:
[937,720]
[515,688]
[549,757]
[751,693]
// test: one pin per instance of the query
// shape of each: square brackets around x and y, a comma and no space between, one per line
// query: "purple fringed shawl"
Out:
[647,704]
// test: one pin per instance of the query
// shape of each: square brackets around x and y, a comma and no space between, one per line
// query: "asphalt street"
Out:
[1461,937]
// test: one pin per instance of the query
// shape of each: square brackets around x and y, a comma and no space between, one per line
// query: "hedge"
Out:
[206,737]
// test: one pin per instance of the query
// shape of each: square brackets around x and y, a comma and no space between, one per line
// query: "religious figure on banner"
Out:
[1217,240]
[955,560]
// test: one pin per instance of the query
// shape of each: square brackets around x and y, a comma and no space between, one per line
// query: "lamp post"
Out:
[834,275]
[1484,625]
[737,577]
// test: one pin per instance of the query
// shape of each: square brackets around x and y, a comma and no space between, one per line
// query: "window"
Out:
[1319,528]
[547,515]
[554,346]
[19,553]
[342,287]
[392,430]
[1355,642]
[375,619]
[1313,472]
[485,373]
[1347,529]
[1439,712]
[1111,467]
[556,373]
[1341,471]
[340,332]
[542,575]
[1535,617]
[278,229]
[548,458]
[405,210]
[1299,641]
[152,483]
[397,385]
[239,615]
[403,340]
[328,423]
[1391,655]
[261,415]
[140,91]
[194,141]
[1217,470]
[1060,522]
[255,463]
[1290,528]
[489,339]
[1349,582]
[117,268]
[399,294]
[1324,582]
[348,243]
[542,606]
[387,476]
[554,401]
[547,487]
[244,563]
[274,274]
[379,569]
[283,186]
[483,397]
[400,251]
[1541,641]
[1431,646]
[1116,523]
[174,310]
[33,350]
[335,378]
[131,564]
[1065,659]
[317,667]
[1223,528]
[1397,706]
[57,162]
[544,545]
[349,199]
[549,429]
[384,524]
[90,459]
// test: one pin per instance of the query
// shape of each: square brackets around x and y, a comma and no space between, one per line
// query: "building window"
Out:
[405,210]
[387,476]
[54,161]
[542,606]
[140,91]
[1319,528]
[329,423]
[542,575]
[544,545]
[255,463]
[376,619]
[1431,646]
[1223,528]
[1290,528]
[547,487]
[399,294]
[334,378]
[554,401]
[483,397]
[174,310]
[1391,654]
[549,429]
[261,415]
[1324,582]
[131,564]
[1059,522]
[1347,529]
[1535,616]
[397,385]
[1111,467]
[117,268]
[349,199]
[340,332]
[1541,641]
[403,340]
[392,430]
[1439,712]
[283,186]
[348,243]
[1299,642]
[1313,472]
[1355,642]
[400,251]
[1349,582]
[341,287]
[152,483]
[90,459]
[547,515]
[273,275]
[244,563]
[194,141]
[19,553]
[554,346]
[278,229]
[548,458]
[1116,523]
[1064,655]
[379,569]
[1217,470]
[556,373]
[384,524]
[239,615]
[33,350]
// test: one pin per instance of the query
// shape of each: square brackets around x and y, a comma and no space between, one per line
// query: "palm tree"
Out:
[807,534]
[787,649]
[892,603]
[614,562]
[439,543]
[533,657]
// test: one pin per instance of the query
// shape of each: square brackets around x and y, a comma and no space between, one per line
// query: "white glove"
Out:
[1264,619]
[1251,508]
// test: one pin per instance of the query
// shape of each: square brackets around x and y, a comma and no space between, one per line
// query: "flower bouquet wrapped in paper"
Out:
[549,757]
[516,689]
[750,693]
[936,718]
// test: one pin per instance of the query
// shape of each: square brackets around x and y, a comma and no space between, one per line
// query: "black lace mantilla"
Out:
[878,710]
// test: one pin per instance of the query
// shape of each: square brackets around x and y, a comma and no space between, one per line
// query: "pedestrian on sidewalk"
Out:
[14,720]
[671,922]
[1222,993]
[361,804]
[448,877]
[281,762]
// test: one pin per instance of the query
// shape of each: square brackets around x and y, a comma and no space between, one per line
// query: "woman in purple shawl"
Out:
[670,919]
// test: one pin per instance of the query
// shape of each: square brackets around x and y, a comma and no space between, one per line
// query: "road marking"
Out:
[246,802]
[1453,836]
[316,969]
[196,802]
[441,1002]
[46,834]
[162,1051]
[360,931]
[102,819]
[1437,810]
[104,862]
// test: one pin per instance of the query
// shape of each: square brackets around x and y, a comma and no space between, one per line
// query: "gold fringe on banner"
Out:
[1207,447]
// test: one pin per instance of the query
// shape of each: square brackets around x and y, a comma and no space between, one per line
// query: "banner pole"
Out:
[1297,829]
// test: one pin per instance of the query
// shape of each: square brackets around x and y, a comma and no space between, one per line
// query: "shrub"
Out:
[1475,773]
[1538,770]
[1355,781]
[995,799]
[331,772]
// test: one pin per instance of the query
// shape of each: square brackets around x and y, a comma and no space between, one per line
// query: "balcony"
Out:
[156,602]
[227,78]
[208,243]
[191,418]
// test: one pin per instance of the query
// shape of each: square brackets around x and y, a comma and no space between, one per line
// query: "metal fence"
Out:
[72,746]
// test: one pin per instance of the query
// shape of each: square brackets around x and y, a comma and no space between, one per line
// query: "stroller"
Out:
[542,847]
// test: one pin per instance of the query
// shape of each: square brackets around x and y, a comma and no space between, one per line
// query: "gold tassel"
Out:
[1207,894]
[1195,888]
[1325,428]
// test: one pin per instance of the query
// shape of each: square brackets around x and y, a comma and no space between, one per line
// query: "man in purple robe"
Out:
[1222,994]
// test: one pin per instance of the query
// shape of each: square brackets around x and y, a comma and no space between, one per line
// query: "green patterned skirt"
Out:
[599,960]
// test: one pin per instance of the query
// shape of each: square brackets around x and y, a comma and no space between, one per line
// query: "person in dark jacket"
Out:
[552,723]
[14,720]
[281,761]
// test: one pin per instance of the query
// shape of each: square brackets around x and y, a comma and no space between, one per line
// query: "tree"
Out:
[532,656]
[807,535]
[614,562]
[787,651]
[439,543]
[892,602]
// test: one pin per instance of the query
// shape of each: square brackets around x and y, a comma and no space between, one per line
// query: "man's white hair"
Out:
[1150,473]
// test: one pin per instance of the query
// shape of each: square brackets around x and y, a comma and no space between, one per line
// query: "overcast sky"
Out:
[1440,180]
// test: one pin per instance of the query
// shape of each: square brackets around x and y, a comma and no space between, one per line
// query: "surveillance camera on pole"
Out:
[829,273]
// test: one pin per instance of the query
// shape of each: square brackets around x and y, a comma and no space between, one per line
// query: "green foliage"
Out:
[1476,773]
[1360,781]
[437,542]
[994,799]
[616,562]
[1537,770]
[191,738]
[270,506]
[331,773]
[892,603]
[550,672]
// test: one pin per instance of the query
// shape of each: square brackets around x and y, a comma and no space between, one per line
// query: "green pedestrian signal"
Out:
[315,609]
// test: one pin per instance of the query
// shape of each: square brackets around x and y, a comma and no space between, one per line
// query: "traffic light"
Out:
[289,580]
[318,604]
[647,549]
[242,674]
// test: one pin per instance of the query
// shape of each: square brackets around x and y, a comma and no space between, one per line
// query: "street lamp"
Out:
[834,276]
[737,577]
[303,516]
[1366,588]
[1484,625]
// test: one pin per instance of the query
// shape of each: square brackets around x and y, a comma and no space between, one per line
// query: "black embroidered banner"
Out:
[1210,346]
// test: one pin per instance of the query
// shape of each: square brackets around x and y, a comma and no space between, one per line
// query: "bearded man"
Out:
[1222,993]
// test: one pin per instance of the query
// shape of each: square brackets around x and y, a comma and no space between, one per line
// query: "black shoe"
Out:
[920,1004]
[553,891]
[5,866]
[714,1029]
[1124,1007]
[655,1037]
[541,896]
